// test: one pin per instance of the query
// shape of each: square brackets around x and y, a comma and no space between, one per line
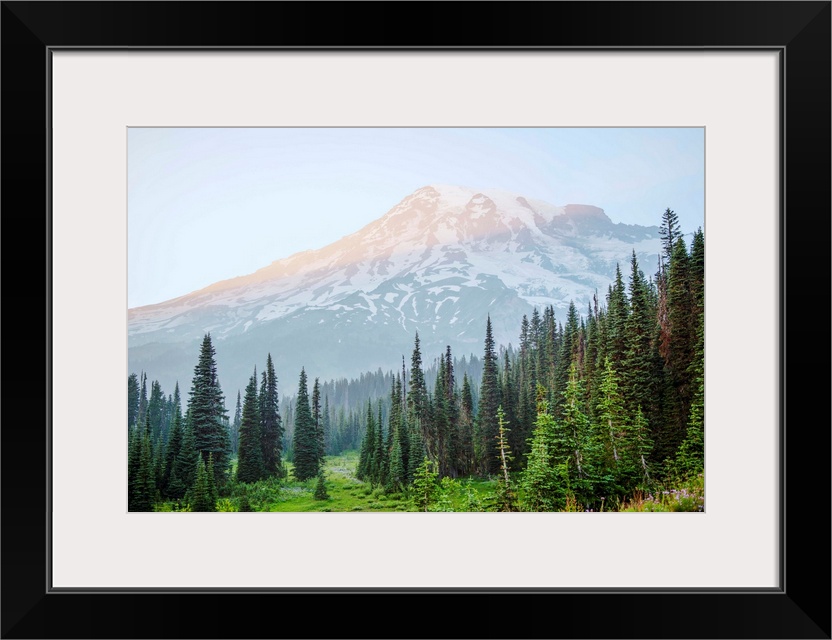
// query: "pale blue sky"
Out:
[210,204]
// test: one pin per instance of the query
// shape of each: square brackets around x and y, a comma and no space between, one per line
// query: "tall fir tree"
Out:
[326,421]
[174,444]
[365,469]
[542,488]
[404,429]
[613,461]
[271,426]
[380,457]
[185,463]
[691,454]
[617,314]
[397,476]
[317,420]
[156,410]
[250,453]
[465,451]
[637,366]
[418,397]
[143,487]
[682,344]
[134,453]
[140,418]
[509,401]
[132,399]
[641,446]
[416,449]
[669,233]
[206,412]
[235,425]
[566,351]
[305,438]
[439,428]
[576,429]
[489,401]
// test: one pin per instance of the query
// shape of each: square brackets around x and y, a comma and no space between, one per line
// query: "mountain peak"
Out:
[438,262]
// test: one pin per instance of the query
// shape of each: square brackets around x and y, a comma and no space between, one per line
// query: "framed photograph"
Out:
[147,140]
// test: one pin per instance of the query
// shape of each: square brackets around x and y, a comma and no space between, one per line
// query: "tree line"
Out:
[188,458]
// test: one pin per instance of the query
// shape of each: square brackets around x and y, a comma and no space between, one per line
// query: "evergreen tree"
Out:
[489,401]
[508,396]
[416,450]
[327,429]
[305,437]
[213,493]
[158,469]
[617,314]
[250,453]
[450,437]
[134,453]
[155,410]
[440,427]
[424,485]
[397,477]
[380,461]
[465,451]
[697,274]
[417,399]
[404,429]
[542,489]
[201,492]
[320,488]
[184,466]
[641,445]
[613,460]
[206,412]
[506,499]
[319,424]
[682,343]
[173,448]
[394,421]
[575,425]
[144,485]
[140,418]
[132,399]
[568,343]
[691,455]
[235,426]
[637,366]
[669,233]
[271,427]
[364,471]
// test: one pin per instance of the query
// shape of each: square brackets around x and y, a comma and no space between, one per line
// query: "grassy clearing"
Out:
[347,493]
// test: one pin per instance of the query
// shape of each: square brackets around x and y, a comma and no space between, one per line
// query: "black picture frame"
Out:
[799,31]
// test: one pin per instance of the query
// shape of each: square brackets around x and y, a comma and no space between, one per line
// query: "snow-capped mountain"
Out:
[437,263]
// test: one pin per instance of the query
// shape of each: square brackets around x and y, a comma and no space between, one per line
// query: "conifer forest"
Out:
[603,411]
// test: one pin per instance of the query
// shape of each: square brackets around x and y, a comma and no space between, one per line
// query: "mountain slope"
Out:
[437,263]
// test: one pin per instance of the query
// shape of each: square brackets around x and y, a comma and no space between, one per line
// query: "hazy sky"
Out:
[210,204]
